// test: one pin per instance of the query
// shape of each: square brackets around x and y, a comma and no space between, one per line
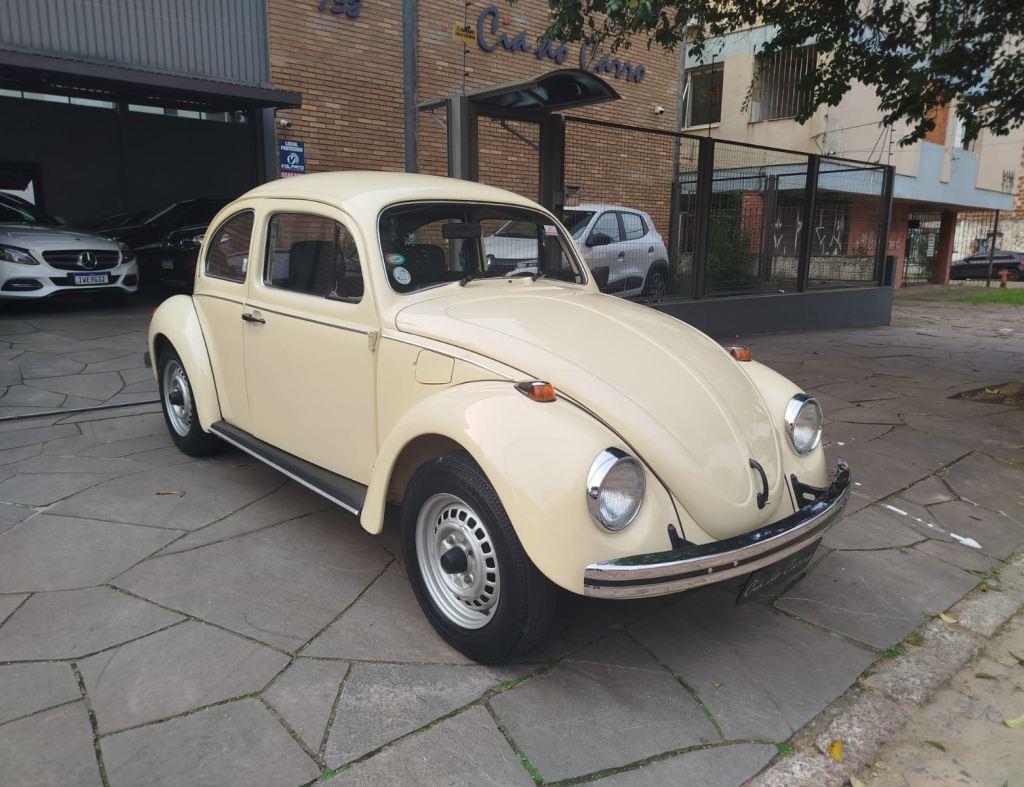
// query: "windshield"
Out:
[19,211]
[430,243]
[576,221]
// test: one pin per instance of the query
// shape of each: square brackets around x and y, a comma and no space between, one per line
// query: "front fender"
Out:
[777,391]
[176,321]
[536,456]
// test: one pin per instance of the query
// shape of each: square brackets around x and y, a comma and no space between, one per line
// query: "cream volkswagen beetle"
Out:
[535,433]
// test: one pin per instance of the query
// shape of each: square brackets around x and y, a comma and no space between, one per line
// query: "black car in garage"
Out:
[164,241]
[976,266]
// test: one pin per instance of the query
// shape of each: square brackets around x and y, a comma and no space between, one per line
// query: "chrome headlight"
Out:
[615,489]
[18,255]
[803,422]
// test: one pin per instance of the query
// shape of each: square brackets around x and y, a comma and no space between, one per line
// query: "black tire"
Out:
[1013,275]
[656,284]
[182,419]
[526,599]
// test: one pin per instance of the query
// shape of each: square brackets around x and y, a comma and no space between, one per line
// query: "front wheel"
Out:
[468,570]
[179,408]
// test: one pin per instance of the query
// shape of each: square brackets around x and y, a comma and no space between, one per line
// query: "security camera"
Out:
[284,123]
[659,110]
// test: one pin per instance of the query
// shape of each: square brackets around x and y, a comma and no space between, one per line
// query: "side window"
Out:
[312,255]
[633,225]
[608,224]
[227,256]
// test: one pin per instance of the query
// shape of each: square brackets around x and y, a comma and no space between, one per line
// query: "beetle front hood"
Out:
[680,400]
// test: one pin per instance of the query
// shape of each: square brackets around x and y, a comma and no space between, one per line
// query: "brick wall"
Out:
[349,72]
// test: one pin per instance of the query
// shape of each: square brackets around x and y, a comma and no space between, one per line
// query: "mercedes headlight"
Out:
[15,254]
[127,255]
[615,489]
[803,422]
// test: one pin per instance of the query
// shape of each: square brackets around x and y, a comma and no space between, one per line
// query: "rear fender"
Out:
[537,457]
[176,323]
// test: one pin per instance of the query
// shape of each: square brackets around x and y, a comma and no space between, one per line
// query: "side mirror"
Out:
[598,239]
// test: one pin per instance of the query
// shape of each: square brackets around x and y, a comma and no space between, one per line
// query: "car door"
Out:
[607,255]
[639,252]
[309,340]
[219,301]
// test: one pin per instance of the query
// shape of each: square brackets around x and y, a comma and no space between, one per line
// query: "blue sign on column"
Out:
[293,157]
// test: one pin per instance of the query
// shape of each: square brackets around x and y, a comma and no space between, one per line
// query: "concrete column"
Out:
[944,252]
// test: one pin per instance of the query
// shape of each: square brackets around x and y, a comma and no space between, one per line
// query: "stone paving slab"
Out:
[69,624]
[305,695]
[765,684]
[174,671]
[382,702]
[631,709]
[235,744]
[280,586]
[466,750]
[51,747]
[29,688]
[876,597]
[720,766]
[62,553]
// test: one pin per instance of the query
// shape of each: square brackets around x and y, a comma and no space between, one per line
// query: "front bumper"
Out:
[695,565]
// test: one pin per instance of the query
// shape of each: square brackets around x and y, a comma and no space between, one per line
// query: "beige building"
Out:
[735,94]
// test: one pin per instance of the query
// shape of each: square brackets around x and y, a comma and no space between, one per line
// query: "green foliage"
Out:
[1011,295]
[891,653]
[915,54]
[729,259]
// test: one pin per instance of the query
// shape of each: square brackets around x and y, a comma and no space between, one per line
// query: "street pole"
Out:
[992,249]
[681,97]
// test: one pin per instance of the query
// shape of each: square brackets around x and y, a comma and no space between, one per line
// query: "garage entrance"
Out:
[85,142]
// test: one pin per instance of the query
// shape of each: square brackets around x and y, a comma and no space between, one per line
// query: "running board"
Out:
[345,492]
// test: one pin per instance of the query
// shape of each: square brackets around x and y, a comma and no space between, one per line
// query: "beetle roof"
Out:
[374,190]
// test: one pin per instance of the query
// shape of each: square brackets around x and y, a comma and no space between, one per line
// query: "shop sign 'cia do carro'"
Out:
[361,333]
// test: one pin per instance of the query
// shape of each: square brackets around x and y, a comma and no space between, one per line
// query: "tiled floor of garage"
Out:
[168,621]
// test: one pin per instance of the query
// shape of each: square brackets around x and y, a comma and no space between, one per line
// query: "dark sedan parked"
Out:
[976,266]
[163,240]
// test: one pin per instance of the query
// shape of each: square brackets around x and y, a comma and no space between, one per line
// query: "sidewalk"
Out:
[168,621]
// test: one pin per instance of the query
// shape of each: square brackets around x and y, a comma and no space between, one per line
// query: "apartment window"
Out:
[777,92]
[704,95]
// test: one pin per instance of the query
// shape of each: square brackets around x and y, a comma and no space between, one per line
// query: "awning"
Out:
[65,76]
[550,92]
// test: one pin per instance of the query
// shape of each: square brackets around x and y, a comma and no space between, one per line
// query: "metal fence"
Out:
[725,218]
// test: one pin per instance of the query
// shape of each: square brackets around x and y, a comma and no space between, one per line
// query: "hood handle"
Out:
[762,497]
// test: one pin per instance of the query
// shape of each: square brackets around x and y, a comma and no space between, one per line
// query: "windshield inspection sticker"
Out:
[549,229]
[402,275]
[395,259]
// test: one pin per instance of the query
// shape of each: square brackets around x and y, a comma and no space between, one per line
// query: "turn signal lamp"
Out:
[739,352]
[538,390]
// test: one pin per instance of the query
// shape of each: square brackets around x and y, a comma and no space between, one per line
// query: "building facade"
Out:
[197,98]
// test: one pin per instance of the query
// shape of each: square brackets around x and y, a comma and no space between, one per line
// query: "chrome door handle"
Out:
[252,318]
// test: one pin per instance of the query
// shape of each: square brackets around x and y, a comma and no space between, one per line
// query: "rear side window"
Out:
[313,255]
[633,225]
[227,255]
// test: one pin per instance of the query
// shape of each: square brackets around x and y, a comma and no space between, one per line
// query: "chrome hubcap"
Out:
[465,590]
[177,398]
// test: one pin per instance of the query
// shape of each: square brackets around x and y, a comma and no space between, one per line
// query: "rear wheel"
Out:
[179,408]
[469,572]
[1013,275]
[656,284]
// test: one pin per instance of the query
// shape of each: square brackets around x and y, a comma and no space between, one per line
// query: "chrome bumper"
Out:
[694,566]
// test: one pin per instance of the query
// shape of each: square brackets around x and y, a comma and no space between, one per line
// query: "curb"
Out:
[877,708]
